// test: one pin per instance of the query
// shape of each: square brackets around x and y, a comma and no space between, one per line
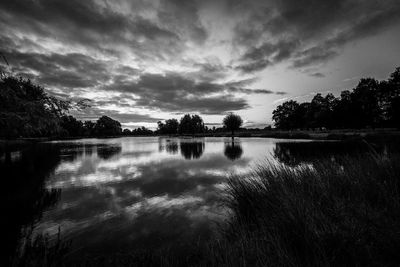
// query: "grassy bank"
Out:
[335,213]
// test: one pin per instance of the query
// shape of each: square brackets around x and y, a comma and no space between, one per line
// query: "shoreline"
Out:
[279,134]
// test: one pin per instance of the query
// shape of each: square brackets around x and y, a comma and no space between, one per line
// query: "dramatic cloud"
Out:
[307,32]
[174,92]
[161,58]
[317,75]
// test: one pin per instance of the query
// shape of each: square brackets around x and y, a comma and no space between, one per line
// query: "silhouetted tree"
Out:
[169,127]
[126,132]
[344,115]
[142,131]
[365,103]
[286,114]
[394,98]
[72,126]
[232,122]
[370,104]
[106,126]
[89,127]
[27,111]
[191,124]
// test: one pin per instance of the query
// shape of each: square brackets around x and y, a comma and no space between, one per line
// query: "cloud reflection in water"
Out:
[141,193]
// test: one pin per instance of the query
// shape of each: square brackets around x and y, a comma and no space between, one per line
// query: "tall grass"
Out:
[327,214]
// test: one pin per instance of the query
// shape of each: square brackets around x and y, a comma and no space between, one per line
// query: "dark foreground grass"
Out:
[330,214]
[343,212]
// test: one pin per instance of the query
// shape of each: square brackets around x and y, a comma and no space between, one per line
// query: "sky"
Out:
[143,61]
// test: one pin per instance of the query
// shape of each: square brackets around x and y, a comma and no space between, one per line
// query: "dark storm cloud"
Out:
[210,71]
[307,32]
[90,24]
[175,92]
[184,17]
[317,75]
[255,65]
[177,55]
[94,113]
[281,93]
[258,58]
[59,70]
[313,56]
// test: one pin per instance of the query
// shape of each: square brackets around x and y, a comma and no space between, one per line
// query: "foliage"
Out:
[370,104]
[26,110]
[170,126]
[232,122]
[72,126]
[285,115]
[191,124]
[142,131]
[89,128]
[105,126]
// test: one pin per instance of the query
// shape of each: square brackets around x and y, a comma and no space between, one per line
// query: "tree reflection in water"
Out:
[24,196]
[108,151]
[233,150]
[172,147]
[296,153]
[192,149]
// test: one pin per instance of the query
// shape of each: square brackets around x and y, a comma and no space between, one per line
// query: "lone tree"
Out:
[232,122]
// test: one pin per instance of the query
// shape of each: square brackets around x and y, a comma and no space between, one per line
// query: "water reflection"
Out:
[233,150]
[295,153]
[24,196]
[192,149]
[172,147]
[138,198]
[107,152]
[133,193]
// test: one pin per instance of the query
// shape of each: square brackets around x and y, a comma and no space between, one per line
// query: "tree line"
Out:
[26,110]
[371,104]
[193,124]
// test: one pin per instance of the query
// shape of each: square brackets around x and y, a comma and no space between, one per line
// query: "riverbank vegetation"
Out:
[342,212]
[27,111]
[371,104]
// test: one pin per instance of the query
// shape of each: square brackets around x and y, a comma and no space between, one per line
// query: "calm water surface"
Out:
[115,195]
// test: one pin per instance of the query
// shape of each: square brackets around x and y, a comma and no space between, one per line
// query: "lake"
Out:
[118,195]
